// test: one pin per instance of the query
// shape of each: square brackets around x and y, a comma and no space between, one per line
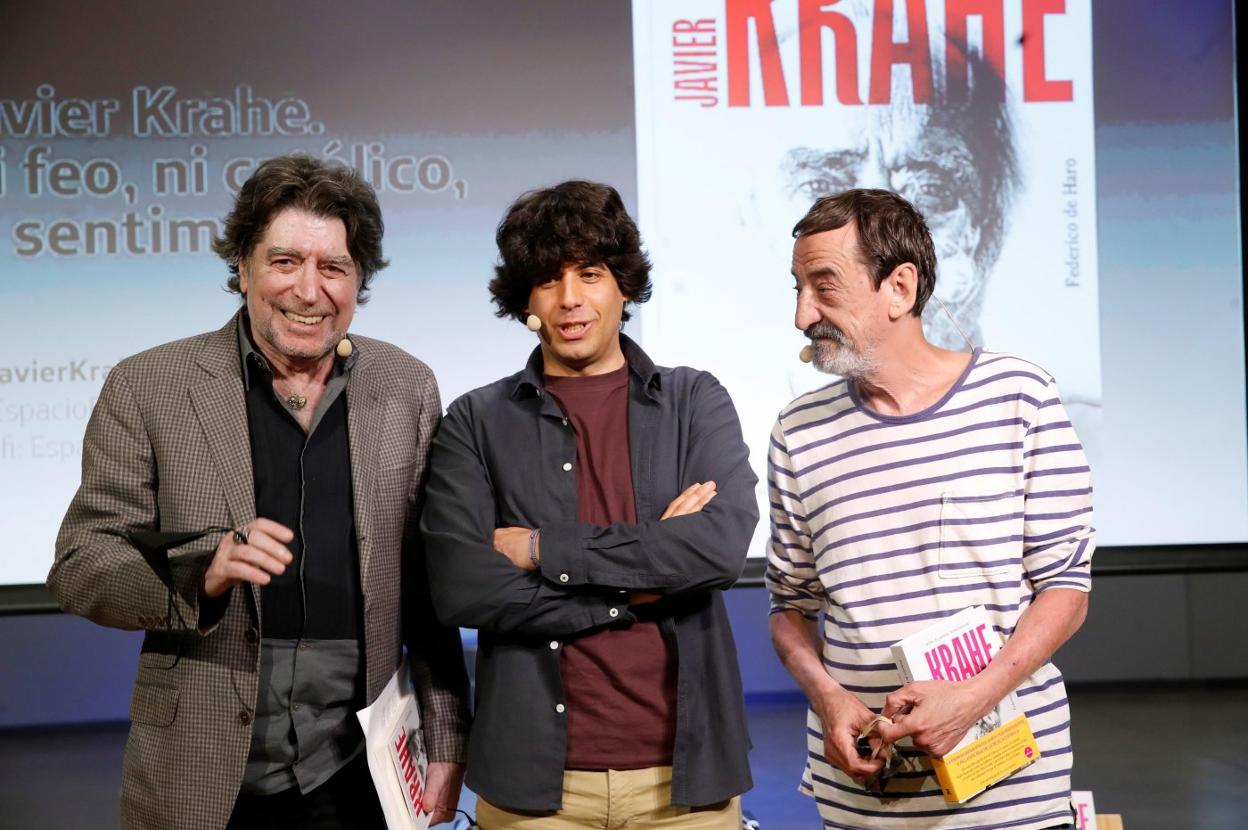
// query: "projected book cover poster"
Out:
[980,113]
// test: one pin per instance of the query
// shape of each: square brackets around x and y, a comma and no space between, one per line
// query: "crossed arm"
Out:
[585,576]
[523,547]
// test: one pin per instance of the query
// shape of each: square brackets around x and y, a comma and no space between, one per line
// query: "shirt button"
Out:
[559,707]
[565,422]
[567,465]
[563,577]
[296,706]
[554,645]
[251,635]
[244,717]
[614,612]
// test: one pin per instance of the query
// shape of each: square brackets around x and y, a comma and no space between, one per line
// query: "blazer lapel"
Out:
[364,421]
[221,408]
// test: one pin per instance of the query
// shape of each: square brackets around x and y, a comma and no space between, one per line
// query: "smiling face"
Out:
[300,285]
[580,312]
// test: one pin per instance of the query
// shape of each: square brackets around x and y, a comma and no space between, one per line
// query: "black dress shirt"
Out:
[311,620]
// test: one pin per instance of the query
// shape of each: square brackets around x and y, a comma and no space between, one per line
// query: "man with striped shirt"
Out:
[924,482]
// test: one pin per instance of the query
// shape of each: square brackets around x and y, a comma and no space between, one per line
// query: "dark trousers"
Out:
[347,801]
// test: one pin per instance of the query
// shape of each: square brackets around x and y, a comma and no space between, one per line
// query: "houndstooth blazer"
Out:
[167,449]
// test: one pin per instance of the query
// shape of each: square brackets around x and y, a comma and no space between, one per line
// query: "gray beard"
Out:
[838,357]
[843,361]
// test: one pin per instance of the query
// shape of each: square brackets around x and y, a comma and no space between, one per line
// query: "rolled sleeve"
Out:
[791,577]
[1058,537]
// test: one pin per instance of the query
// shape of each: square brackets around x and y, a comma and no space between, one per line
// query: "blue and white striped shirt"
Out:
[885,524]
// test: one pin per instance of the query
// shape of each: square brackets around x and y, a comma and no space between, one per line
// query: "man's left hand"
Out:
[935,713]
[513,542]
[442,783]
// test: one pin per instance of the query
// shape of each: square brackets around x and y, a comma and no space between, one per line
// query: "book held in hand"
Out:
[396,753]
[998,745]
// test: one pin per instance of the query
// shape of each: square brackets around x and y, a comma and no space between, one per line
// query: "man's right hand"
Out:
[262,557]
[844,717]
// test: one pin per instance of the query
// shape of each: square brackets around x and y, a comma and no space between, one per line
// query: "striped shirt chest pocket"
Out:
[980,533]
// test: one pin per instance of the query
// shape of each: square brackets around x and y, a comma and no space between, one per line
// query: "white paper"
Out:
[396,712]
[1085,810]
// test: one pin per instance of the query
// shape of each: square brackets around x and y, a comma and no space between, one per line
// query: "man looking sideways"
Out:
[923,482]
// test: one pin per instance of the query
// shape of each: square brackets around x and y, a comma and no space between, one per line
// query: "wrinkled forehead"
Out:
[834,252]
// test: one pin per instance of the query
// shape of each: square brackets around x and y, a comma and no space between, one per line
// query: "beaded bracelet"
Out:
[533,545]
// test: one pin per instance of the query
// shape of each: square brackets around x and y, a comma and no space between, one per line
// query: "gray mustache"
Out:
[826,331]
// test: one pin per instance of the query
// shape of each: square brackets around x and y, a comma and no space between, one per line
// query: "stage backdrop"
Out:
[1077,167]
[125,128]
[1078,164]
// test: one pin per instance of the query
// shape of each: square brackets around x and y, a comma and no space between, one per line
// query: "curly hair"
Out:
[319,187]
[573,223]
[890,232]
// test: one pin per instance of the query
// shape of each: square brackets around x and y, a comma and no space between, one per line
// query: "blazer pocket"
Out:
[153,705]
[980,534]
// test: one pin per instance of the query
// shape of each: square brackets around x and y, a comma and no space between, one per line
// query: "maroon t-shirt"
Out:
[620,683]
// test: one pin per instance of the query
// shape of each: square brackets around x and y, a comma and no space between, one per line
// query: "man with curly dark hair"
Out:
[585,515]
[249,499]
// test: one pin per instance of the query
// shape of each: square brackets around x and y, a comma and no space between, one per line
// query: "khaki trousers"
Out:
[616,800]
